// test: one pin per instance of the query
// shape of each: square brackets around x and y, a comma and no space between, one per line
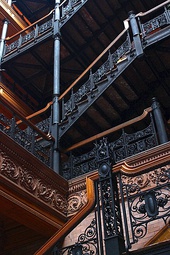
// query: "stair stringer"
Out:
[92,96]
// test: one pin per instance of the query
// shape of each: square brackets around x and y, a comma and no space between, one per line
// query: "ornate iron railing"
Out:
[91,88]
[146,198]
[126,207]
[35,31]
[87,88]
[25,36]
[68,8]
[156,23]
[130,202]
[33,138]
[126,146]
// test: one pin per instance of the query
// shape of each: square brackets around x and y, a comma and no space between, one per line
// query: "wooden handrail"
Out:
[141,14]
[92,64]
[75,220]
[36,113]
[28,27]
[109,131]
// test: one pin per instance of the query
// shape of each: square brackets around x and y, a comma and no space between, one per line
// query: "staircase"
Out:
[96,84]
[104,77]
[150,33]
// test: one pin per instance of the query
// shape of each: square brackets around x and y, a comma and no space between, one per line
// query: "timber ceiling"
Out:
[83,38]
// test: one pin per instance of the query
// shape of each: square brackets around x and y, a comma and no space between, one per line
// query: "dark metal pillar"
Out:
[56,88]
[136,34]
[111,215]
[160,126]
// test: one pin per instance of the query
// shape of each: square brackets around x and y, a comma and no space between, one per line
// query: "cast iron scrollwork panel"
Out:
[76,166]
[147,206]
[87,241]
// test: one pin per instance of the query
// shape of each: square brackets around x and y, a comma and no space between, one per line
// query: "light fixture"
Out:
[1,90]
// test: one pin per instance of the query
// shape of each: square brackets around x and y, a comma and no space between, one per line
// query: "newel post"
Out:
[136,34]
[110,204]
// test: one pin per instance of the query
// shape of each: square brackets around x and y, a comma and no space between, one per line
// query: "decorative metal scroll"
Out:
[110,209]
[127,145]
[87,241]
[156,23]
[146,205]
[80,165]
[28,138]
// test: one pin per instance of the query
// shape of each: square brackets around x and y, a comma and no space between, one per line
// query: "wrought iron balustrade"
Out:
[86,90]
[156,23]
[25,37]
[81,97]
[68,8]
[33,138]
[126,207]
[145,198]
[42,28]
[127,145]
[86,243]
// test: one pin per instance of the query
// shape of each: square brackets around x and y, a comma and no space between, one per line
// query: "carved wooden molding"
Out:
[23,171]
[77,197]
[155,157]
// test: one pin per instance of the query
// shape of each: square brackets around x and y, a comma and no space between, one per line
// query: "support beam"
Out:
[56,88]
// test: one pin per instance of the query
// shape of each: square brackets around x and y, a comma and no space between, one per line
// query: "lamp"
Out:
[77,249]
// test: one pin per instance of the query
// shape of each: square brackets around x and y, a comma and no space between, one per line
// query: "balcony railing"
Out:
[37,139]
[34,138]
[127,145]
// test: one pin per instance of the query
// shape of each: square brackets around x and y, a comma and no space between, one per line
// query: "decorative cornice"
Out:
[29,181]
[77,184]
[20,170]
[155,157]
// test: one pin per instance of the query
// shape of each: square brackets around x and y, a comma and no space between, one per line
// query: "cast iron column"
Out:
[110,204]
[160,126]
[56,88]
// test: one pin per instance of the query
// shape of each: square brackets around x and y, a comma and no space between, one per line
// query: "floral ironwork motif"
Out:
[148,199]
[87,241]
